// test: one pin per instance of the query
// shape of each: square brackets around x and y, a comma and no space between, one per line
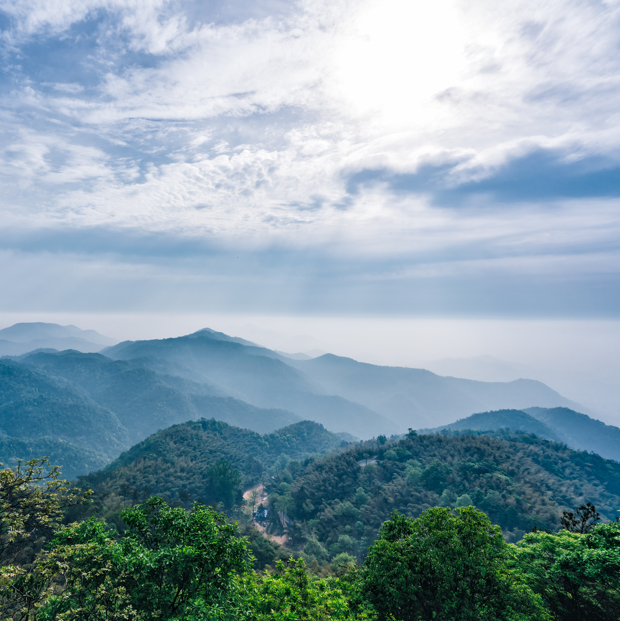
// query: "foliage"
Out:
[33,499]
[583,520]
[166,559]
[445,565]
[519,481]
[178,564]
[205,460]
[291,594]
[577,575]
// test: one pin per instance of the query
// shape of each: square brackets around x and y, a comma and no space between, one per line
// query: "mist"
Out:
[577,358]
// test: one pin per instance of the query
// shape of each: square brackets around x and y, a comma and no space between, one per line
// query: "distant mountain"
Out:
[144,386]
[36,405]
[74,460]
[580,431]
[418,398]
[576,430]
[510,420]
[257,376]
[83,410]
[26,337]
[480,368]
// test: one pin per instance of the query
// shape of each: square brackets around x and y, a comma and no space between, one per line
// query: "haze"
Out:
[402,182]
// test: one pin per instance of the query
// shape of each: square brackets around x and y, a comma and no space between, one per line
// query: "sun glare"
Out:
[398,56]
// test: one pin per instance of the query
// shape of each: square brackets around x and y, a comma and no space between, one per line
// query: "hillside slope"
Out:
[520,482]
[580,431]
[146,401]
[34,405]
[512,420]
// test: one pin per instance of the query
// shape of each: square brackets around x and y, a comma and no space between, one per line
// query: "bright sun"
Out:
[397,56]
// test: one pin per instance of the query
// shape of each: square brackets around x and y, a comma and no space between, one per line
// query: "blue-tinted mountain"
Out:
[145,401]
[510,420]
[580,431]
[37,405]
[576,430]
[257,376]
[83,410]
[26,337]
[418,398]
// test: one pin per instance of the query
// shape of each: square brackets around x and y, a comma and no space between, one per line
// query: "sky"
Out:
[394,160]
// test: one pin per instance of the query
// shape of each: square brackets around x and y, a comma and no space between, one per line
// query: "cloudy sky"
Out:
[379,157]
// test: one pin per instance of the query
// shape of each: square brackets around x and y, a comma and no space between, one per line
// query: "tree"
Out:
[166,560]
[33,499]
[224,483]
[253,499]
[577,575]
[447,566]
[583,520]
[291,594]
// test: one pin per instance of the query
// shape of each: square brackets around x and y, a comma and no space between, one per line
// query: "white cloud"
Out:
[247,130]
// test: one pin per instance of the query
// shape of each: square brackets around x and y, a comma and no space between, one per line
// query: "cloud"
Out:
[370,144]
[540,176]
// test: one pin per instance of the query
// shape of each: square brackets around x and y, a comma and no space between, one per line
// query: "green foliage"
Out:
[577,575]
[291,594]
[165,560]
[175,564]
[224,483]
[446,566]
[519,481]
[33,499]
[204,460]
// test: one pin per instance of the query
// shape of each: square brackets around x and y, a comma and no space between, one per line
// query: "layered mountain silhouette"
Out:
[418,398]
[576,430]
[26,337]
[258,376]
[106,402]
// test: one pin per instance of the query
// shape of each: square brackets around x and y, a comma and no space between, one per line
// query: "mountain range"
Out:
[22,338]
[130,390]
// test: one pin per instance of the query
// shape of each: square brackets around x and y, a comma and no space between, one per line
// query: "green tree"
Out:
[291,594]
[165,561]
[33,499]
[224,483]
[577,575]
[446,566]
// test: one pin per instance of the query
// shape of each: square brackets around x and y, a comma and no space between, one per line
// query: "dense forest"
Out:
[178,564]
[327,498]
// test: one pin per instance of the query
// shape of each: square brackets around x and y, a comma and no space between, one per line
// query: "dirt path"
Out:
[261,493]
[262,499]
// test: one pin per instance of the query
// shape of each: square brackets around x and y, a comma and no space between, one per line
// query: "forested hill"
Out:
[520,482]
[574,429]
[207,460]
[339,500]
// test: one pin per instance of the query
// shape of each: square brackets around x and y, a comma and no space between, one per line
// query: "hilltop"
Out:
[574,429]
